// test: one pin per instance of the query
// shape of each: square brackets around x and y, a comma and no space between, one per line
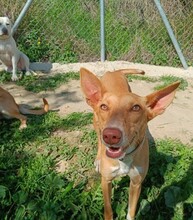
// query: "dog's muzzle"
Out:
[4,31]
[112,138]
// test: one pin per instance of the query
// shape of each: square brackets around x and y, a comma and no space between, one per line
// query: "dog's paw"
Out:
[97,165]
[14,78]
[129,217]
[22,126]
[28,73]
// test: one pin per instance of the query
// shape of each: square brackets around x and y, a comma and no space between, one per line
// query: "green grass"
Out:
[162,81]
[142,78]
[169,79]
[4,77]
[30,187]
[37,83]
[129,33]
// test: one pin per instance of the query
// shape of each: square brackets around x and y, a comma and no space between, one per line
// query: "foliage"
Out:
[69,31]
[168,186]
[41,83]
[37,84]
[162,81]
[35,46]
[142,78]
[5,77]
[30,187]
[169,79]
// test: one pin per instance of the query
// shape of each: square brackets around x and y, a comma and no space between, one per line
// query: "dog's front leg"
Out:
[98,157]
[107,190]
[14,65]
[134,193]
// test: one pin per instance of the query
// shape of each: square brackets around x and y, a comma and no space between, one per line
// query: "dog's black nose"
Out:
[112,136]
[5,31]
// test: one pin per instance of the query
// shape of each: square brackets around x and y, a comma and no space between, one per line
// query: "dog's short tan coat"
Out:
[10,109]
[120,120]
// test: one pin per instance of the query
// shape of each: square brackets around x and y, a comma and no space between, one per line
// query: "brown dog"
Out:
[120,120]
[10,109]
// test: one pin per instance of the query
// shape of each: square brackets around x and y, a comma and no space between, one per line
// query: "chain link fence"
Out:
[69,30]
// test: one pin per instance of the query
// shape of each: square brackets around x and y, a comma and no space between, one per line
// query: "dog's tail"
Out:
[130,71]
[24,110]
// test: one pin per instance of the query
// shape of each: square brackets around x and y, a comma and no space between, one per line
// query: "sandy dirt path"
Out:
[175,123]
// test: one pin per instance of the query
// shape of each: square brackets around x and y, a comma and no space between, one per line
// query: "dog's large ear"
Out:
[91,86]
[158,101]
[7,14]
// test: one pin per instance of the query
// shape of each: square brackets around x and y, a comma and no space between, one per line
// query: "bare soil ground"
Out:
[175,123]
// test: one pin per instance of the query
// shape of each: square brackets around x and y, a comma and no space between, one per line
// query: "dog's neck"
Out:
[132,149]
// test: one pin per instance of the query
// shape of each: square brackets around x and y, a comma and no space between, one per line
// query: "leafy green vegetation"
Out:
[162,81]
[31,188]
[169,79]
[37,83]
[43,83]
[142,78]
[70,31]
[5,77]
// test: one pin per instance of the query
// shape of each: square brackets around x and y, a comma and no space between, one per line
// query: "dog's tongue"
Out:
[114,152]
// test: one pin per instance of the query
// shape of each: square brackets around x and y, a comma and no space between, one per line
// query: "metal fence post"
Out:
[21,15]
[102,29]
[171,33]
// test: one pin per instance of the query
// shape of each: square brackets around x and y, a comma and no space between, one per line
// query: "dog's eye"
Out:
[104,107]
[136,108]
[7,23]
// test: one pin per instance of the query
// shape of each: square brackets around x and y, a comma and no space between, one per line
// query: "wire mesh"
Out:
[69,31]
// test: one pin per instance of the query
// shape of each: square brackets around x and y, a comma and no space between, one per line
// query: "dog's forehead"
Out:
[124,99]
[4,19]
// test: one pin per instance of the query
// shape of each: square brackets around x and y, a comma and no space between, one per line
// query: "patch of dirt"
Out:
[175,123]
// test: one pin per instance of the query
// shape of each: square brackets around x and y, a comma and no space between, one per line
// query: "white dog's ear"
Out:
[7,14]
[91,86]
[158,101]
[10,16]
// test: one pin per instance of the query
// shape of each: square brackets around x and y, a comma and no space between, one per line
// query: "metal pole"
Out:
[102,29]
[21,15]
[171,33]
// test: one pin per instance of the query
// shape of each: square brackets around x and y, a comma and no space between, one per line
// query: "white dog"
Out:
[10,56]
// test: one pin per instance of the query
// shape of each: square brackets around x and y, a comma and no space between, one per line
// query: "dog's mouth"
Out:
[4,36]
[115,153]
[118,152]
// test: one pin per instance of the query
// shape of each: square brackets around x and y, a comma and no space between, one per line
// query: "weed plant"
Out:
[30,187]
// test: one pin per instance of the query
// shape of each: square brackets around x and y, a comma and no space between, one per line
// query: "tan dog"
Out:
[10,109]
[120,120]
[11,57]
